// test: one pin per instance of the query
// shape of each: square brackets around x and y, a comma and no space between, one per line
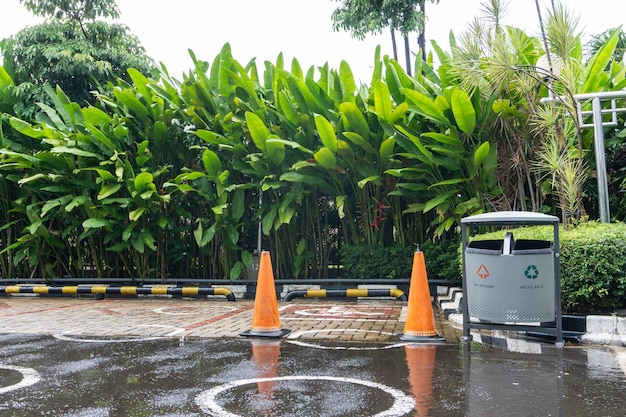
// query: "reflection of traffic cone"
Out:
[420,321]
[265,319]
[265,356]
[421,363]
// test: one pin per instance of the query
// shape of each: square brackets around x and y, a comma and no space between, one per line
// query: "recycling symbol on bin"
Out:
[531,272]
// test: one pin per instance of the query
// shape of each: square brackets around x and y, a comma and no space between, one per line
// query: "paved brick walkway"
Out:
[337,320]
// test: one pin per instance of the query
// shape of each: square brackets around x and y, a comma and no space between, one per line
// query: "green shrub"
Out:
[442,258]
[365,262]
[374,261]
[593,264]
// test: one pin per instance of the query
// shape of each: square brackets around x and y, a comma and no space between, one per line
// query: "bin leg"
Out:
[466,337]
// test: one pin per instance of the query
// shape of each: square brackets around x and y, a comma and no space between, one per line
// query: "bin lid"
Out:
[511,217]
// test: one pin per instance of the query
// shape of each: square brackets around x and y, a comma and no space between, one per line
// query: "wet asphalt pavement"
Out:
[81,376]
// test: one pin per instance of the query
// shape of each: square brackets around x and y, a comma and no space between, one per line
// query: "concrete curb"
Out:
[599,330]
[605,330]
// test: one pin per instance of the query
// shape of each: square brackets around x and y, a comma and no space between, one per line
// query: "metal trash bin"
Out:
[510,281]
[508,284]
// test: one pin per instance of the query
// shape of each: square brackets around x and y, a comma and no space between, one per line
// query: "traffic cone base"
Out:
[265,319]
[408,337]
[420,321]
[265,333]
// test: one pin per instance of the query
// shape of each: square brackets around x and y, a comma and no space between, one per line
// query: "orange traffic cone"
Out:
[420,321]
[265,319]
[421,364]
[265,355]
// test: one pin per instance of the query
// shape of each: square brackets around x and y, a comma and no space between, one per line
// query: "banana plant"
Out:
[46,183]
[163,173]
[450,170]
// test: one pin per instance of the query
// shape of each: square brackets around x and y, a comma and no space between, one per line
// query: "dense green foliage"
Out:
[364,17]
[77,10]
[365,262]
[593,261]
[441,259]
[599,40]
[71,50]
[361,17]
[545,156]
[162,178]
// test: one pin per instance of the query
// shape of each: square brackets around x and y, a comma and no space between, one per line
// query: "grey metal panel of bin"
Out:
[516,287]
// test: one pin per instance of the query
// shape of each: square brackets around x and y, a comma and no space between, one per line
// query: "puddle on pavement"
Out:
[169,377]
[9,378]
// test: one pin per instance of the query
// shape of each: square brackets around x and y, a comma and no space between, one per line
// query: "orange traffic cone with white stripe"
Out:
[265,319]
[420,321]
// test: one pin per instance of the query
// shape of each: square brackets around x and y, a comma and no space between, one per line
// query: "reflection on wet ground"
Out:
[48,376]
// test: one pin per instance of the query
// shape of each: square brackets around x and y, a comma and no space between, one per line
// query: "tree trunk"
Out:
[407,54]
[393,43]
[421,39]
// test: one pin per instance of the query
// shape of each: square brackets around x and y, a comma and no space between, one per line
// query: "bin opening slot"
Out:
[489,247]
[530,246]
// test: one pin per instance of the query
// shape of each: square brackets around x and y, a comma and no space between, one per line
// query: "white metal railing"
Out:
[611,96]
[598,123]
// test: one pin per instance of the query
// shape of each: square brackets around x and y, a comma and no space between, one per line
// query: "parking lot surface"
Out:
[84,357]
[368,320]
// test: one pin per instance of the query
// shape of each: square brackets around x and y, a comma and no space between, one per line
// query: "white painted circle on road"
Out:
[29,377]
[296,335]
[337,311]
[189,310]
[73,337]
[78,338]
[402,404]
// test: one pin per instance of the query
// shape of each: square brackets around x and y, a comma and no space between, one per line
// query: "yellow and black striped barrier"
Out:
[123,290]
[348,293]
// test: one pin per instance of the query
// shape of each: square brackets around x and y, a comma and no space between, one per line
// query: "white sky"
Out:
[298,28]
